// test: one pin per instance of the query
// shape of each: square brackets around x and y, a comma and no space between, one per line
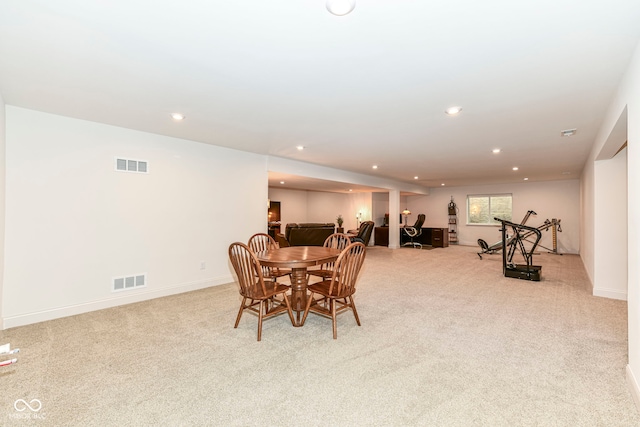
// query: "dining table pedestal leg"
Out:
[298,292]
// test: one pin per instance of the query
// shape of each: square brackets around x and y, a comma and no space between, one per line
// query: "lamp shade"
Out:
[406,212]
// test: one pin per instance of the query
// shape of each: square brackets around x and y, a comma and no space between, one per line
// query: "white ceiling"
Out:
[368,88]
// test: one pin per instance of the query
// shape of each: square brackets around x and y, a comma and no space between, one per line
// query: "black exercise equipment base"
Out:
[524,272]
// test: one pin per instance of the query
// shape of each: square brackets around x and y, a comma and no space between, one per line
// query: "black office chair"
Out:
[414,232]
[364,233]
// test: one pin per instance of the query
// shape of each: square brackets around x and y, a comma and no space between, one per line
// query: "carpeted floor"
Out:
[445,340]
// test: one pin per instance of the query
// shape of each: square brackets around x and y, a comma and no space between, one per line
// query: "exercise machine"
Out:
[526,271]
[497,246]
[554,224]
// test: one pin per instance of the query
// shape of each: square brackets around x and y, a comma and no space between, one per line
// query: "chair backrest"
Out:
[247,268]
[365,230]
[419,221]
[337,241]
[262,242]
[346,270]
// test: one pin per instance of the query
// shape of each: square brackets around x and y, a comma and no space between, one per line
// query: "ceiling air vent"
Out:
[130,165]
[568,132]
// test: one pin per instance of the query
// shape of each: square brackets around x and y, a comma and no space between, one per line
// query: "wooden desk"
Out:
[436,237]
[298,258]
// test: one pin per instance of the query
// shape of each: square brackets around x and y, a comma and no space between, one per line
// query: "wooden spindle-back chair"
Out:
[254,290]
[336,241]
[336,294]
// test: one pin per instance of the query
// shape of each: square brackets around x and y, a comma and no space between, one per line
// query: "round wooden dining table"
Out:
[298,258]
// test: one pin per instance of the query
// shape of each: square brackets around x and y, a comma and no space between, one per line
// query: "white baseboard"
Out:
[633,387]
[117,300]
[609,293]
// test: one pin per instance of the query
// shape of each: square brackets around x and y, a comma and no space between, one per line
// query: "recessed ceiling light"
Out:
[281,182]
[452,111]
[568,132]
[374,167]
[340,7]
[300,147]
[526,179]
[495,150]
[177,116]
[350,189]
[515,168]
[415,177]
[442,184]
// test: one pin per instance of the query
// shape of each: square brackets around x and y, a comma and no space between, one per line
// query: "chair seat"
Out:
[322,288]
[275,273]
[272,288]
[325,274]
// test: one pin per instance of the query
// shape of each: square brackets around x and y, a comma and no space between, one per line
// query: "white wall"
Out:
[554,199]
[610,197]
[625,101]
[2,201]
[325,207]
[293,205]
[73,223]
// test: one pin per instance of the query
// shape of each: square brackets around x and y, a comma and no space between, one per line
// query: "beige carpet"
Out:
[445,340]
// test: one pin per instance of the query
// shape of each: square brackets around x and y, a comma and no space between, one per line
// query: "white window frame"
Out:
[491,222]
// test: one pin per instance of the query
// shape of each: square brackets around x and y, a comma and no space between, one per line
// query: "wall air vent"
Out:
[129,282]
[130,165]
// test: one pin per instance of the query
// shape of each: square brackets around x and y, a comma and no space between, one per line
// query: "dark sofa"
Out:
[305,234]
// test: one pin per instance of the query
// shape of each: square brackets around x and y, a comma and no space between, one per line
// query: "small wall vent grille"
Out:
[131,165]
[129,282]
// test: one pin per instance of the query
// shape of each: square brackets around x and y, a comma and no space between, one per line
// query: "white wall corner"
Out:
[634,389]
[609,293]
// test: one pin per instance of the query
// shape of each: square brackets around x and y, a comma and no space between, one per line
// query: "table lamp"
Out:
[406,213]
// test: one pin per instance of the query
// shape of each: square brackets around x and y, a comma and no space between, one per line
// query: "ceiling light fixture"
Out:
[177,116]
[300,147]
[526,179]
[495,150]
[568,132]
[515,168]
[415,177]
[340,7]
[452,111]
[442,184]
[281,182]
[374,167]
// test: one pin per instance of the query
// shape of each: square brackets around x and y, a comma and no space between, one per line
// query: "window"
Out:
[481,209]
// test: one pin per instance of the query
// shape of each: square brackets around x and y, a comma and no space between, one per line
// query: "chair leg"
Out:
[306,309]
[286,299]
[260,320]
[244,299]
[355,312]
[332,304]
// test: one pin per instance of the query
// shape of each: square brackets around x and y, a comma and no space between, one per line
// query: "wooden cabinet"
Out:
[439,237]
[436,237]
[381,236]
